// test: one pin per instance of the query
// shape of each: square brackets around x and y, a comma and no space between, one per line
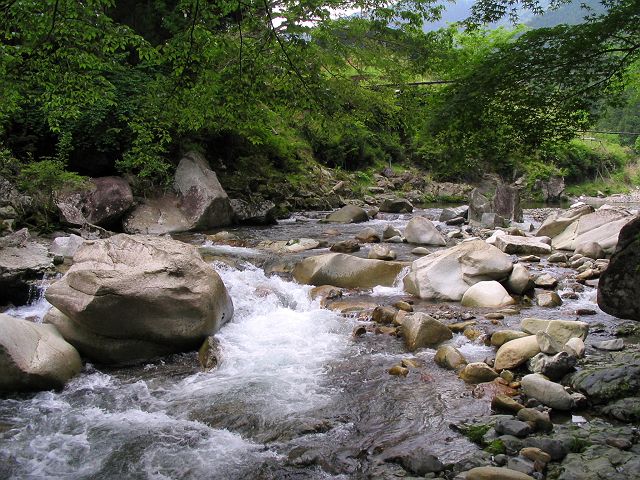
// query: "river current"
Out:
[294,396]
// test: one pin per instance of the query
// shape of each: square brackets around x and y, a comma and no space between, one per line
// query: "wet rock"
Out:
[254,213]
[546,281]
[142,288]
[548,299]
[495,473]
[297,245]
[619,287]
[521,464]
[448,274]
[519,281]
[368,235]
[602,226]
[509,426]
[382,252]
[600,461]
[402,305]
[421,231]
[501,337]
[535,455]
[34,356]
[557,258]
[529,258]
[390,231]
[420,330]
[548,344]
[603,383]
[610,345]
[504,403]
[486,294]
[547,392]
[625,409]
[418,461]
[516,352]
[346,271]
[345,246]
[396,205]
[555,448]
[560,330]
[384,315]
[553,367]
[511,244]
[449,357]
[399,371]
[395,239]
[348,214]
[540,420]
[420,251]
[478,372]
[209,354]
[619,443]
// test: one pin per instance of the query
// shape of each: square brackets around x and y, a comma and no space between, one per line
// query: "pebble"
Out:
[359,331]
[529,258]
[460,327]
[404,306]
[399,371]
[585,311]
[494,316]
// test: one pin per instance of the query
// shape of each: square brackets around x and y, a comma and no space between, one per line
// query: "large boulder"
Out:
[348,214]
[22,260]
[602,226]
[506,202]
[103,202]
[478,205]
[514,244]
[551,189]
[556,223]
[447,274]
[347,271]
[520,280]
[422,231]
[34,356]
[559,330]
[141,288]
[619,287]
[488,293]
[200,202]
[420,330]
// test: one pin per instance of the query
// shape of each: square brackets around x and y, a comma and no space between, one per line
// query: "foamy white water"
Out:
[157,424]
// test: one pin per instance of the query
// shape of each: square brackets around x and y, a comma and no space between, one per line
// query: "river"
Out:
[294,396]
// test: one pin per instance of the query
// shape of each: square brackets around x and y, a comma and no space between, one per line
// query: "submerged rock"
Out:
[448,274]
[34,356]
[142,289]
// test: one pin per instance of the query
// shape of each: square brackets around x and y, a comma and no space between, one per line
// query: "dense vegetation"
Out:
[265,87]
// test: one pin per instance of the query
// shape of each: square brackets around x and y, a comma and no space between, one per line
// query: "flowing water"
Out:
[294,396]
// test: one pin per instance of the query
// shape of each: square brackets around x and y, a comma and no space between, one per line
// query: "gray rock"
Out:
[418,461]
[253,213]
[478,372]
[506,202]
[560,330]
[519,280]
[143,288]
[345,246]
[599,461]
[478,205]
[548,344]
[448,274]
[420,330]
[421,231]
[591,250]
[66,246]
[34,356]
[547,392]
[557,258]
[347,271]
[610,345]
[625,409]
[548,299]
[512,244]
[553,367]
[486,294]
[382,252]
[390,231]
[556,448]
[492,220]
[348,214]
[368,235]
[546,281]
[603,383]
[396,205]
[521,464]
[454,212]
[517,428]
[447,356]
[556,223]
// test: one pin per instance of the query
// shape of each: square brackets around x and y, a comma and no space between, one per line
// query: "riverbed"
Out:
[294,396]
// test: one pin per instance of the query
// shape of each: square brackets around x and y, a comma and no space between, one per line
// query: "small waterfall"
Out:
[396,289]
[37,306]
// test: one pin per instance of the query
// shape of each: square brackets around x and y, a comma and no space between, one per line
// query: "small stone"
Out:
[548,344]
[504,403]
[575,346]
[381,252]
[610,345]
[535,455]
[540,420]
[345,246]
[478,372]
[460,327]
[585,311]
[517,428]
[472,333]
[494,316]
[209,354]
[529,258]
[619,443]
[359,331]
[399,371]
[383,330]
[410,363]
[507,376]
[557,258]
[404,306]
[495,473]
[521,464]
[420,251]
[548,300]
[383,315]
[501,337]
[546,281]
[449,357]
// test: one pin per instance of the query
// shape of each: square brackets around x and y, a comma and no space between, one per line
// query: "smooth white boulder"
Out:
[487,294]
[422,231]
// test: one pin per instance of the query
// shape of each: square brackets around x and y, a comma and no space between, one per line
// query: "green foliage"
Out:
[476,433]
[496,447]
[578,445]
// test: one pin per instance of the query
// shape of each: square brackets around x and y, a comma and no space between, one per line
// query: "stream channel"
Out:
[295,396]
